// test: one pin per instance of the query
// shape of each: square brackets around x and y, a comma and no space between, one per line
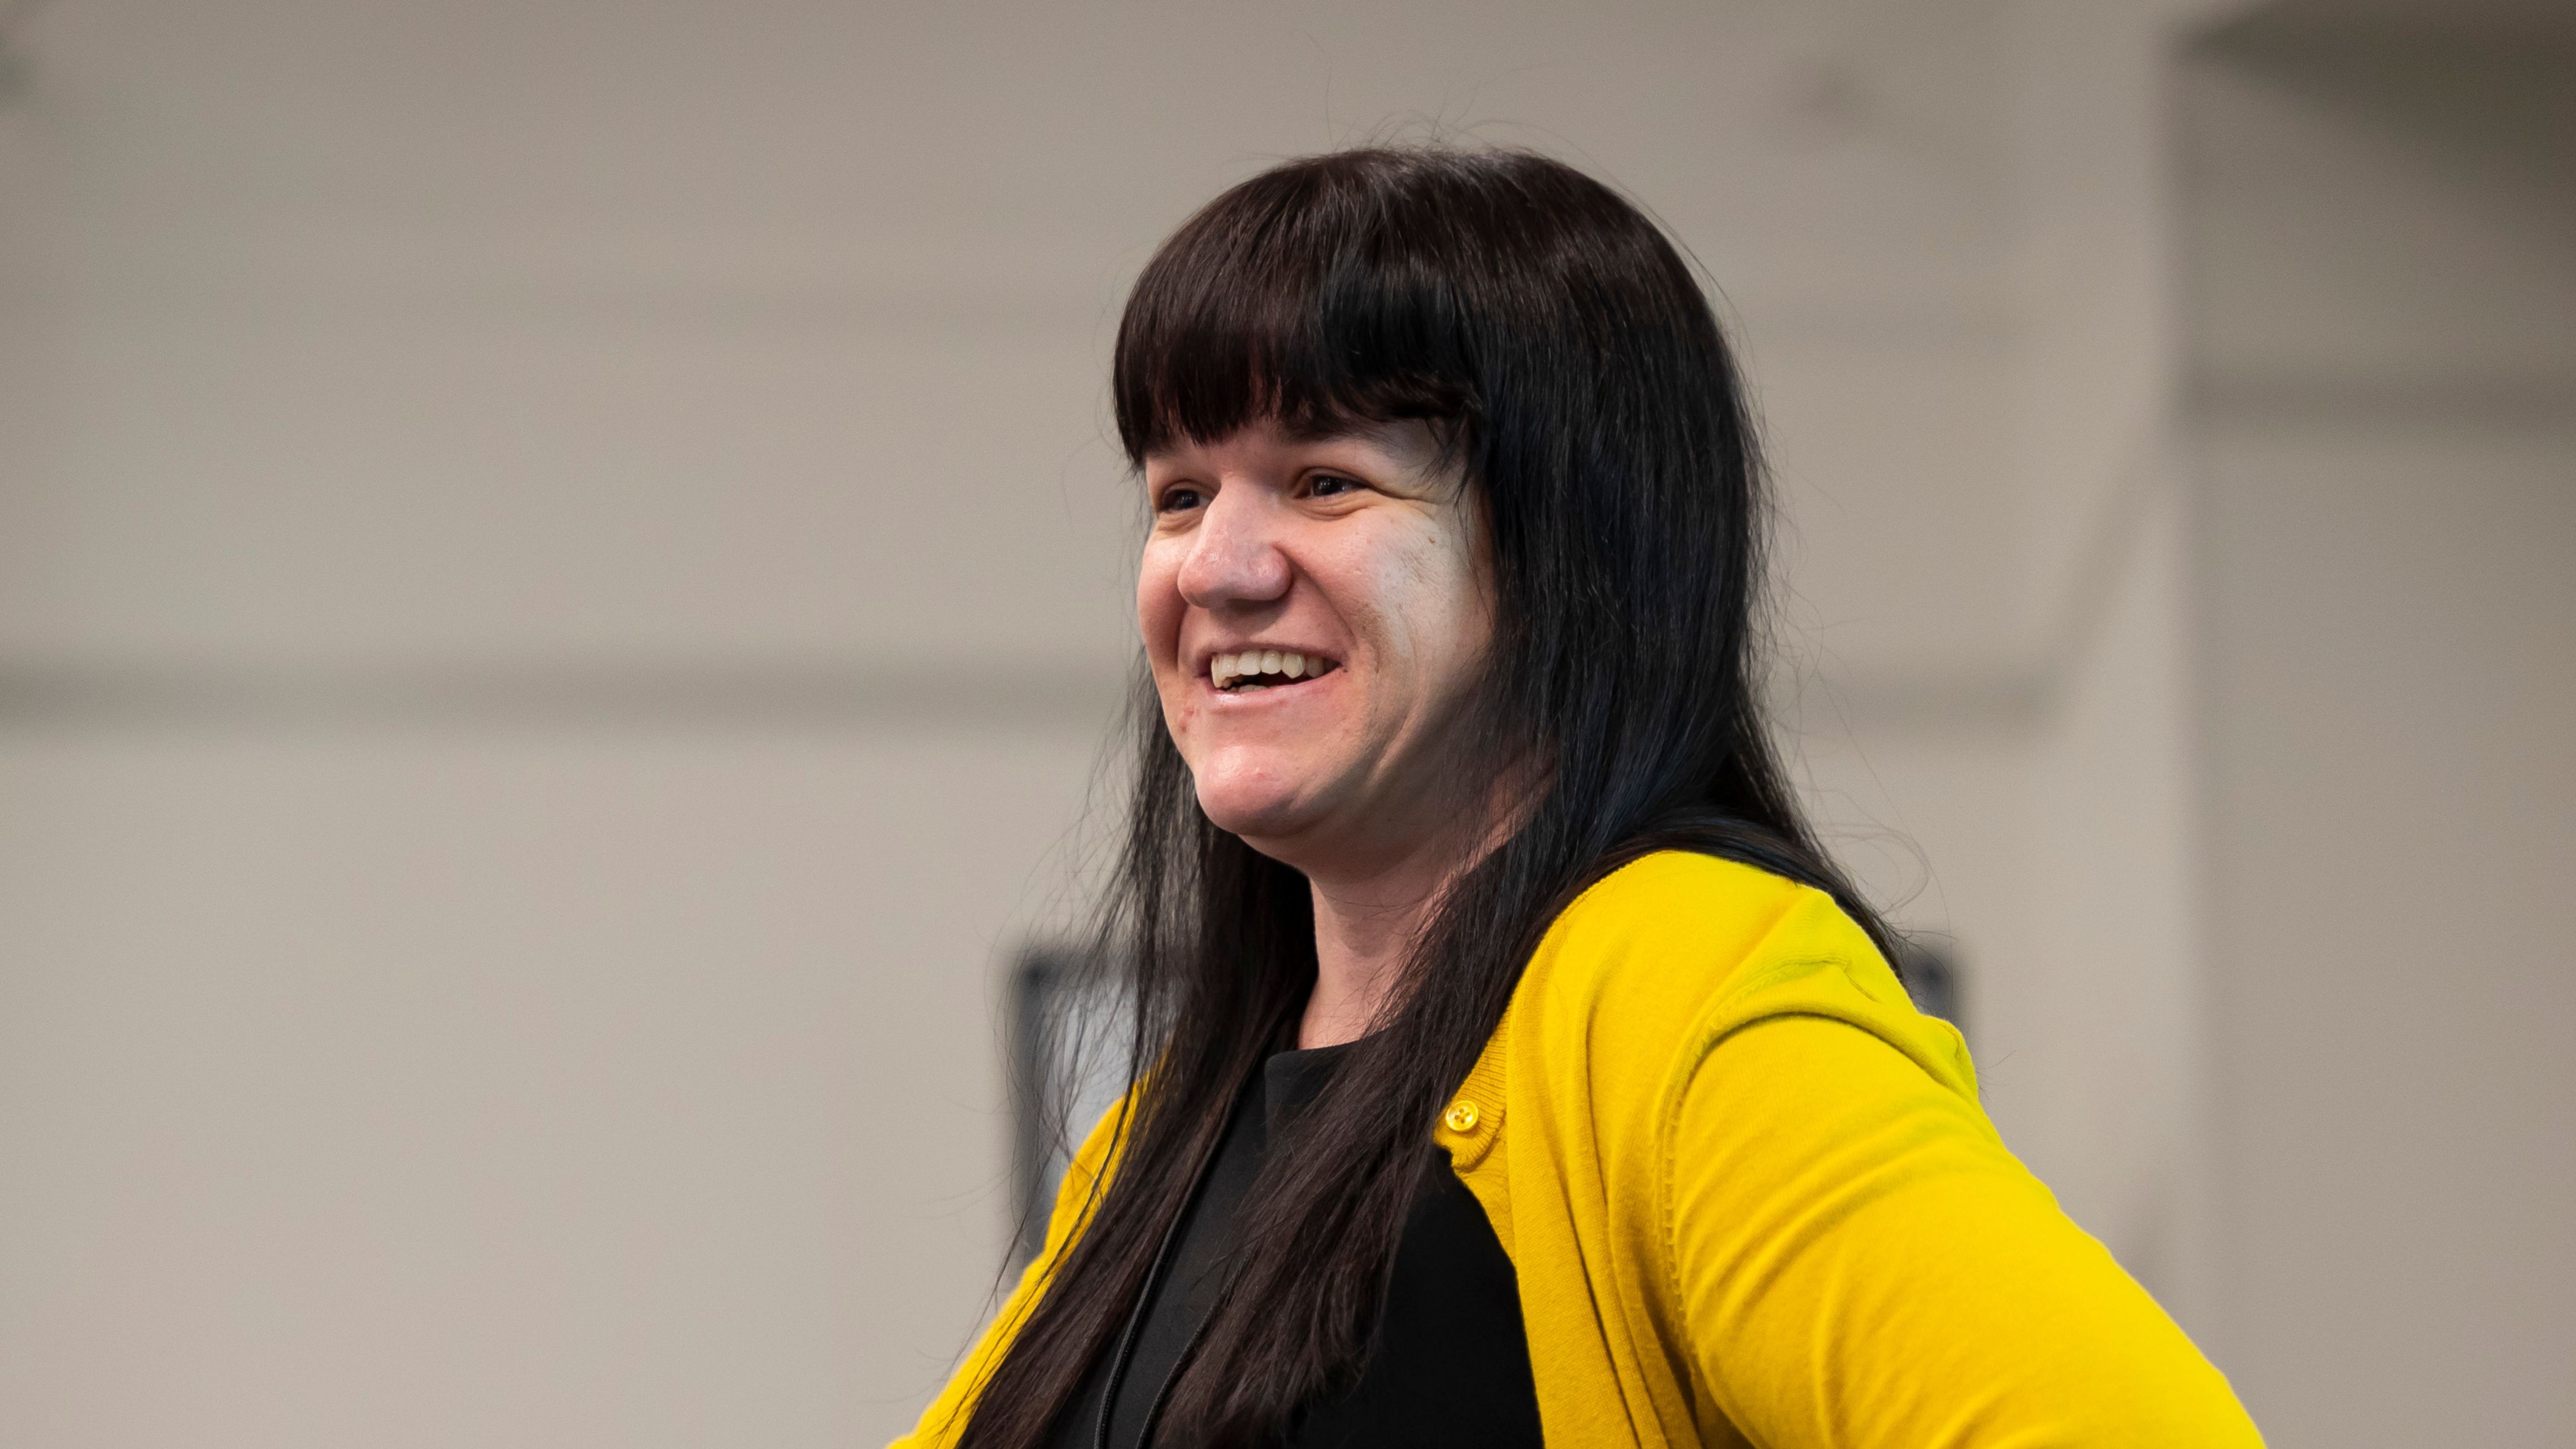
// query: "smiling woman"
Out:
[1509,1064]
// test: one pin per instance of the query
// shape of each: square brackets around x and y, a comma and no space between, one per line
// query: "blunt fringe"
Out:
[1562,343]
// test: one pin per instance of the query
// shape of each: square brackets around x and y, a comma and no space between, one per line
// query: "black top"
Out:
[1448,1364]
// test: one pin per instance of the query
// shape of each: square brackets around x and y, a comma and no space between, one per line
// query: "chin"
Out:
[1255,820]
[1251,803]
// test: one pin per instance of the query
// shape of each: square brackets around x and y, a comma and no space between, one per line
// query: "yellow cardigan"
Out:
[1750,1199]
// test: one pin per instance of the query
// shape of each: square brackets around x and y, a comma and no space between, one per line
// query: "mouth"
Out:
[1253,670]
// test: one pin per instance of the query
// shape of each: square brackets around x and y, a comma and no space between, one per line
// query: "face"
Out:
[1315,611]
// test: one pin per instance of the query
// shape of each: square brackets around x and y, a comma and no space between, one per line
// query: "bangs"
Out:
[1298,297]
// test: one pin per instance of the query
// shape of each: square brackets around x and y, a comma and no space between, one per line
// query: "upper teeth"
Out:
[1225,669]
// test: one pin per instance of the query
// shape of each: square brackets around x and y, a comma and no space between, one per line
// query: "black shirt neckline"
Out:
[1448,1365]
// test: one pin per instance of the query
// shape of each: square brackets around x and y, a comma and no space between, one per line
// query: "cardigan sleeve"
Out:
[1862,1265]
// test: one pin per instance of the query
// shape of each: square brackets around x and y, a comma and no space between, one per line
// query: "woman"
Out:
[1512,1065]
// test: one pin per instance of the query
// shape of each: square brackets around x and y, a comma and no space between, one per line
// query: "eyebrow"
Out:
[1332,430]
[1449,438]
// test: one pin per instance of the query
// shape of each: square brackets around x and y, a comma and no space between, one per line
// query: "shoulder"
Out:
[1676,931]
[1087,1174]
[1662,960]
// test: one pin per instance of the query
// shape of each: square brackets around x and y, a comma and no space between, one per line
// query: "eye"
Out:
[1328,485]
[1177,498]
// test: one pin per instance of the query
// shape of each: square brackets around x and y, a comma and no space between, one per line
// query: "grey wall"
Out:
[2380,234]
[561,579]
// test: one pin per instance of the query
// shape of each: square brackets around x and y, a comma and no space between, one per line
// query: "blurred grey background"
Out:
[562,576]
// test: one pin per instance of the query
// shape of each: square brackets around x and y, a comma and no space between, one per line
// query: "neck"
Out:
[1368,920]
[1366,926]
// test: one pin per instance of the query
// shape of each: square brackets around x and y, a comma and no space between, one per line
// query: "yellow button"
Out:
[1461,1115]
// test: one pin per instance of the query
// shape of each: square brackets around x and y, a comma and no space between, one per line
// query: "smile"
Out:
[1255,669]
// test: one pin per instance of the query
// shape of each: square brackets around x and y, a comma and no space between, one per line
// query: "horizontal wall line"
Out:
[576,694]
[721,695]
[2516,401]
[1969,700]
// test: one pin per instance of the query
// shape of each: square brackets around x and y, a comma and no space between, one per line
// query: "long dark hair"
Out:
[1548,328]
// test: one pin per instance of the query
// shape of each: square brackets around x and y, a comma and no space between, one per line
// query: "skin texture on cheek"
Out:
[1425,621]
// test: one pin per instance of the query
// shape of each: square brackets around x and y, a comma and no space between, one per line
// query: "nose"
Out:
[1234,557]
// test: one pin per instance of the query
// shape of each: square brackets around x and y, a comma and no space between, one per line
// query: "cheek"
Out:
[1434,606]
[1158,604]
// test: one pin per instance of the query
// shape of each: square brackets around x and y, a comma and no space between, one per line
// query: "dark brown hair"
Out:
[1567,347]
